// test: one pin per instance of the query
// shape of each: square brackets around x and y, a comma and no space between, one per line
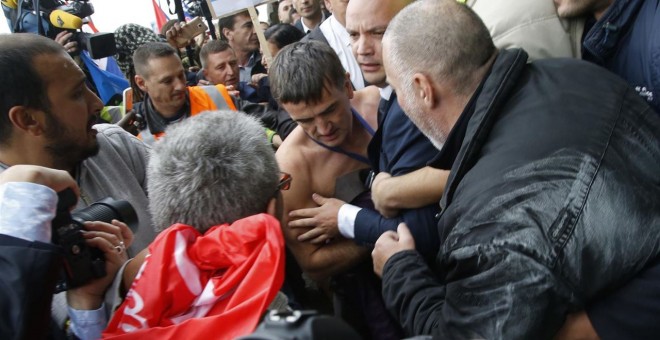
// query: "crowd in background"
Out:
[432,168]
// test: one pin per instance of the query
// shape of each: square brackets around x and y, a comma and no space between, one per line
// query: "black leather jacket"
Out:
[553,200]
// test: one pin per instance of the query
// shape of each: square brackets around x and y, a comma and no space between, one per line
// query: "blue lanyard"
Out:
[353,155]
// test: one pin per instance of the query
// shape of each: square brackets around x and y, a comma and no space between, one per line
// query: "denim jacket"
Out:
[552,201]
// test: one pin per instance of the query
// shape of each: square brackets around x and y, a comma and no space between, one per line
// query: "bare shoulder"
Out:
[291,154]
[366,102]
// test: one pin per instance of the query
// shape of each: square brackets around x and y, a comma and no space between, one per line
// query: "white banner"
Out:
[221,8]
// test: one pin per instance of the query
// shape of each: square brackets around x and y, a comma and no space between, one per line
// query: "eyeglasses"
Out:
[285,181]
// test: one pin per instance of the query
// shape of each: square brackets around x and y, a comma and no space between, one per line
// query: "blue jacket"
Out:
[626,41]
[398,147]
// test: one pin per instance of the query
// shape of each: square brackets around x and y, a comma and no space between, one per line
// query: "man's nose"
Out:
[364,46]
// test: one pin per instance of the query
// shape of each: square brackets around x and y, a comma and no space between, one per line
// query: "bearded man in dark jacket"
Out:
[554,194]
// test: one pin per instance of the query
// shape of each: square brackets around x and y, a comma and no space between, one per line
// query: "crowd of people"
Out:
[408,168]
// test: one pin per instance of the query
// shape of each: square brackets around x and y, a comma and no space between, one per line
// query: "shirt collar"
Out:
[386,92]
[307,29]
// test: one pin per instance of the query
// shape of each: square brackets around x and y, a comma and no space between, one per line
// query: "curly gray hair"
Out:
[213,168]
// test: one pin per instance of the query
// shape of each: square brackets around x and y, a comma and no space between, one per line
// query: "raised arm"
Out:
[410,191]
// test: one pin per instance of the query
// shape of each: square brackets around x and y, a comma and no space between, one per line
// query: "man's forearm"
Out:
[497,293]
[334,258]
[413,190]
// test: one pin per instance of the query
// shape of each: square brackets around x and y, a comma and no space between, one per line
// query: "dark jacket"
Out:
[399,147]
[30,271]
[552,201]
[626,41]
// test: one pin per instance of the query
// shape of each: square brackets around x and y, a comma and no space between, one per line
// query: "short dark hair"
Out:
[283,34]
[21,84]
[212,47]
[150,51]
[302,70]
[228,22]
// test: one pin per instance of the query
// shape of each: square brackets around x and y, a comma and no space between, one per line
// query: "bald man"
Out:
[538,219]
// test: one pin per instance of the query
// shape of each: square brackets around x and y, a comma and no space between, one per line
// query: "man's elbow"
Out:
[315,270]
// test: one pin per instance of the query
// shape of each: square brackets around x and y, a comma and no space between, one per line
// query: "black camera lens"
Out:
[107,210]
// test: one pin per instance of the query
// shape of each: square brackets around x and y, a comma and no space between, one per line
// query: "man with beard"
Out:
[552,199]
[47,114]
[160,75]
[47,117]
[238,31]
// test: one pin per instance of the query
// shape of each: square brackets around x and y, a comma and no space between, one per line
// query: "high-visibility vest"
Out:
[202,98]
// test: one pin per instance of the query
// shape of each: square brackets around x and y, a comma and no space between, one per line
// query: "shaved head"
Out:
[445,42]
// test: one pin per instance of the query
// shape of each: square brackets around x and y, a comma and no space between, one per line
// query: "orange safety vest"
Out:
[202,98]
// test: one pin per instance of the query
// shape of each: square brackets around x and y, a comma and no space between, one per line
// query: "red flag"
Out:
[193,286]
[161,17]
[90,23]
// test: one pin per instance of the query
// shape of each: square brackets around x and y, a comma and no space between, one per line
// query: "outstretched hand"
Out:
[323,220]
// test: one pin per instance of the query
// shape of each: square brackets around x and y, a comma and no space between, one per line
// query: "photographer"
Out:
[31,264]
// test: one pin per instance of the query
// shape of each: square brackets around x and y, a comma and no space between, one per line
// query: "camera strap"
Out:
[37,10]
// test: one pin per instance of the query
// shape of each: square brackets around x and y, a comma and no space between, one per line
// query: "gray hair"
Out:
[302,70]
[209,169]
[442,38]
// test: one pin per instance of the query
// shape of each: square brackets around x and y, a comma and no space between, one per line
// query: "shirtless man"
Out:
[335,127]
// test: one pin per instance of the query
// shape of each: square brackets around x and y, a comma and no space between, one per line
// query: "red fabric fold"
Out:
[194,285]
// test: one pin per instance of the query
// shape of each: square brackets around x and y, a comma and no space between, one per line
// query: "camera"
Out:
[54,16]
[301,325]
[81,262]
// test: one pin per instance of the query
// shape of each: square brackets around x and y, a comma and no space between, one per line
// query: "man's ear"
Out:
[349,86]
[424,91]
[328,5]
[275,208]
[228,33]
[28,120]
[272,207]
[141,83]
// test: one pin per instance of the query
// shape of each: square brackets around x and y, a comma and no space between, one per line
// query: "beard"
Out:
[66,151]
[427,125]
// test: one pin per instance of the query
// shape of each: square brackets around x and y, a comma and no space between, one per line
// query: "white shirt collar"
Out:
[386,92]
[307,29]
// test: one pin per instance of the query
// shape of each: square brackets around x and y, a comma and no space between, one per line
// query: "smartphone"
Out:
[128,99]
[190,30]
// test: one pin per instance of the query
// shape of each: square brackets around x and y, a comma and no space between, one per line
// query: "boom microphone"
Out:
[65,20]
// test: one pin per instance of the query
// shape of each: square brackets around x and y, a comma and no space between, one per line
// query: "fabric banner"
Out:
[192,286]
[221,8]
[108,83]
[161,17]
